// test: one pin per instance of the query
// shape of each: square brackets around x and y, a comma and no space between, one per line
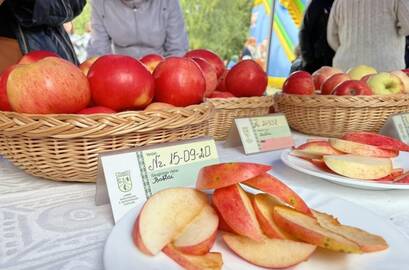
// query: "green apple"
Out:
[360,71]
[385,83]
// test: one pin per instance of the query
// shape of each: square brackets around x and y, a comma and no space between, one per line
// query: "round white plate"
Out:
[304,166]
[121,254]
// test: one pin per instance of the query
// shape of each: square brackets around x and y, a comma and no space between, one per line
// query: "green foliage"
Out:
[218,25]
[80,23]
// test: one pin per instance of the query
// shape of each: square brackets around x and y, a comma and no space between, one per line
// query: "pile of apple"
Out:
[43,83]
[360,80]
[273,229]
[357,155]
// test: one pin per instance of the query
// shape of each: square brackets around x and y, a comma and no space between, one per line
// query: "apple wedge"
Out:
[164,216]
[403,179]
[263,205]
[223,226]
[309,230]
[359,167]
[209,261]
[378,140]
[235,207]
[270,253]
[226,174]
[366,241]
[271,185]
[319,148]
[305,155]
[395,173]
[200,235]
[320,164]
[361,149]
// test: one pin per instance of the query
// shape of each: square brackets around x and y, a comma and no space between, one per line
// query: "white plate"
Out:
[304,166]
[121,254]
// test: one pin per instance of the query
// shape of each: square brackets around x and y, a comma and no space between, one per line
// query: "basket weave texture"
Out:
[65,147]
[332,116]
[229,108]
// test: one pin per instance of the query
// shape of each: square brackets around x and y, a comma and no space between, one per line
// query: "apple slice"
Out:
[226,174]
[307,229]
[235,207]
[378,140]
[361,149]
[366,241]
[392,176]
[263,205]
[359,167]
[223,226]
[271,185]
[305,155]
[199,236]
[319,148]
[164,216]
[270,253]
[209,261]
[403,179]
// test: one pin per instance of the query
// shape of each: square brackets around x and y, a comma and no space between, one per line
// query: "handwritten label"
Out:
[397,126]
[133,176]
[261,134]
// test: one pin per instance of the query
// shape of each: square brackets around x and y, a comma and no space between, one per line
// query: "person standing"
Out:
[36,25]
[369,32]
[137,28]
[314,48]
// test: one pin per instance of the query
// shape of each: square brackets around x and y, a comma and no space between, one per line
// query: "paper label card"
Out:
[262,133]
[133,176]
[397,126]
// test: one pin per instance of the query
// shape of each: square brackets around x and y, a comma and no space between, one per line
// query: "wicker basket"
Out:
[65,147]
[332,116]
[229,108]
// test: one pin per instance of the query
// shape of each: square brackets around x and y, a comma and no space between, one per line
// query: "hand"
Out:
[1,1]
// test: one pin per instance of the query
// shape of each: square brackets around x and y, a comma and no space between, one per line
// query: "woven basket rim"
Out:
[69,126]
[241,102]
[342,101]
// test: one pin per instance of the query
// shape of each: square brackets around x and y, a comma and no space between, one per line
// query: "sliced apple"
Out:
[309,230]
[235,207]
[164,216]
[359,167]
[366,241]
[403,179]
[316,140]
[270,253]
[319,148]
[305,155]
[223,226]
[375,139]
[320,164]
[361,149]
[200,235]
[271,185]
[263,205]
[209,261]
[226,174]
[392,176]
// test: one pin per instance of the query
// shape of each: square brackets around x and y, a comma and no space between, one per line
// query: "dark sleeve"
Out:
[307,30]
[31,13]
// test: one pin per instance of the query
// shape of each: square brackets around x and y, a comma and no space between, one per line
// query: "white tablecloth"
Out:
[53,225]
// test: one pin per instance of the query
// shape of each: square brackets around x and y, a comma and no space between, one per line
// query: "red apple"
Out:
[218,94]
[221,86]
[211,57]
[50,85]
[352,88]
[151,61]
[322,74]
[96,109]
[179,81]
[299,83]
[120,82]
[4,101]
[246,79]
[86,65]
[158,106]
[366,78]
[35,56]
[329,85]
[209,73]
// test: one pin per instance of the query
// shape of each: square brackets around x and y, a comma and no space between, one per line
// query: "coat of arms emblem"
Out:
[123,180]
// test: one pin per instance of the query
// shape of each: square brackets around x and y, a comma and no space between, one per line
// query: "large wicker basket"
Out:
[328,115]
[66,147]
[229,108]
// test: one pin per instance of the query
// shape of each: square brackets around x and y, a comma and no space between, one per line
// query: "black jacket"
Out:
[38,24]
[315,51]
[407,52]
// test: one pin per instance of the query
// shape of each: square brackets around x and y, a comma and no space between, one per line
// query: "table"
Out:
[54,225]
